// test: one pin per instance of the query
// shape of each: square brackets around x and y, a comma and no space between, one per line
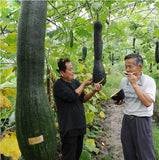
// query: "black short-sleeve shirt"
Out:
[70,109]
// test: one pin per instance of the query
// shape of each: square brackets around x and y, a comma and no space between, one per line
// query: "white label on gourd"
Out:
[36,140]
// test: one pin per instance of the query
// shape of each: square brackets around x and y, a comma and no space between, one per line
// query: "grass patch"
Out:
[156,139]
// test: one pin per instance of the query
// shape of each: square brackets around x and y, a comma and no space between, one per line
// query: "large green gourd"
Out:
[35,127]
[99,74]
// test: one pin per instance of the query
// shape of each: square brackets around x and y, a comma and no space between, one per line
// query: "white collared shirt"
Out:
[133,105]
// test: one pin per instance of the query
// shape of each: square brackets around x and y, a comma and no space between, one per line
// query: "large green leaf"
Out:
[85,155]
[54,33]
[9,43]
[90,145]
[157,4]
[89,117]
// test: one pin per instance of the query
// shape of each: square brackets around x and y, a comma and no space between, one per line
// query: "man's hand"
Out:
[132,79]
[120,102]
[98,87]
[88,81]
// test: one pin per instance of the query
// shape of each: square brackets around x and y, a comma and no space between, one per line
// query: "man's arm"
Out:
[144,98]
[97,87]
[80,89]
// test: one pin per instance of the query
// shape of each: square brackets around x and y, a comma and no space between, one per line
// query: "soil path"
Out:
[109,143]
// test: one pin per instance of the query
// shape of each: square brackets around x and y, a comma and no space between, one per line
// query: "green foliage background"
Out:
[123,21]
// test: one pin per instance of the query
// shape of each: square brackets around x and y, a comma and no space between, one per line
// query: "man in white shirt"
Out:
[140,92]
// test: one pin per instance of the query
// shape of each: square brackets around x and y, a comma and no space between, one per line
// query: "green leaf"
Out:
[8,84]
[157,4]
[9,48]
[9,43]
[52,61]
[80,20]
[89,117]
[80,68]
[11,38]
[16,15]
[54,32]
[85,155]
[83,32]
[8,8]
[96,6]
[6,72]
[156,32]
[108,3]
[92,108]
[90,145]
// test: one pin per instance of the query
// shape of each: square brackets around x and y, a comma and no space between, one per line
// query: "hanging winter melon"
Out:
[99,74]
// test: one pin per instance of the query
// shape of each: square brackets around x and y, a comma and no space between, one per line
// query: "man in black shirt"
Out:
[69,97]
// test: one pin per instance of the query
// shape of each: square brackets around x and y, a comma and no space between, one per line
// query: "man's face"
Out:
[68,75]
[130,66]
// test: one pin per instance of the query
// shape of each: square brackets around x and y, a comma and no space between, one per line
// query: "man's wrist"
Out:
[94,90]
[84,85]
[135,85]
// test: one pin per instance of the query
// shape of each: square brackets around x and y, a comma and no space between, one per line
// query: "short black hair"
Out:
[137,57]
[61,64]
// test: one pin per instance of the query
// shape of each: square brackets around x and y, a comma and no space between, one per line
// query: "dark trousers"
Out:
[72,147]
[137,138]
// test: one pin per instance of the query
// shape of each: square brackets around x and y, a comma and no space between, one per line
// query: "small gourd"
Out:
[157,52]
[84,53]
[71,38]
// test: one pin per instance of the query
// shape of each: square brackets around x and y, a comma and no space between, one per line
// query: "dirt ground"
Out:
[109,143]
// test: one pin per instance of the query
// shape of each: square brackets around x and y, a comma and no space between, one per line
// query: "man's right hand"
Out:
[120,102]
[88,81]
